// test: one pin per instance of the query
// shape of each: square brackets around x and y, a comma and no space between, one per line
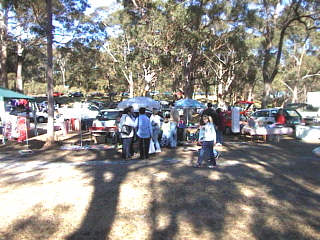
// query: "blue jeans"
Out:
[206,152]
[219,136]
[126,145]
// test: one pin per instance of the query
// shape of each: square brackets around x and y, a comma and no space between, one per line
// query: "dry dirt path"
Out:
[259,191]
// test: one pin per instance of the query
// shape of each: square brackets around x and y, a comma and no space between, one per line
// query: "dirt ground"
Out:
[259,191]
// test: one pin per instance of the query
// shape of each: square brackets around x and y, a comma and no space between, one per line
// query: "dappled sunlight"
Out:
[215,176]
[108,176]
[261,169]
[237,221]
[247,192]
[50,190]
[162,220]
[250,195]
[187,229]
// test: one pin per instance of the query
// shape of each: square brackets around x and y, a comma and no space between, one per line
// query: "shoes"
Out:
[218,155]
[197,165]
[212,166]
[218,144]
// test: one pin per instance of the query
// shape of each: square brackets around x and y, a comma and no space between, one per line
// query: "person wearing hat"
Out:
[144,133]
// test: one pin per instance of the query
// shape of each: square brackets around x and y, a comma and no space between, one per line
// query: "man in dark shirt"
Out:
[209,111]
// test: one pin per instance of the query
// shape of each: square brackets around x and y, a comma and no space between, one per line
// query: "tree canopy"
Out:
[249,49]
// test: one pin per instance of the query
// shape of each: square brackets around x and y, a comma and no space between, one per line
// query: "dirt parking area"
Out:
[258,191]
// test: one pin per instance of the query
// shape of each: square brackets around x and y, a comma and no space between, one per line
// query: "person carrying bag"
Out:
[126,126]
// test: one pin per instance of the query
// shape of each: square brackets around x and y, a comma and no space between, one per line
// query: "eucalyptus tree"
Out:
[302,63]
[197,35]
[4,8]
[270,20]
[135,52]
[41,15]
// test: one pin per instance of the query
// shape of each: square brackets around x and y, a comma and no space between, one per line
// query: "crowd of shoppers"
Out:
[157,131]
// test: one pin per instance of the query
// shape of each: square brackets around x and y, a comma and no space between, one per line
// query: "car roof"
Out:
[110,110]
[268,109]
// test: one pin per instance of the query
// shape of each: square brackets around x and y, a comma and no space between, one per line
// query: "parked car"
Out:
[41,116]
[107,118]
[125,94]
[75,94]
[309,113]
[268,116]
[57,94]
[96,94]
[154,93]
[98,104]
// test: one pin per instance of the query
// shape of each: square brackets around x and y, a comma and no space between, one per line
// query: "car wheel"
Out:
[41,119]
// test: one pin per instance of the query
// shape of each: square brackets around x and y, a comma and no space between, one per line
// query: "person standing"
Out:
[126,137]
[220,127]
[207,138]
[280,117]
[156,124]
[169,132]
[144,133]
[181,129]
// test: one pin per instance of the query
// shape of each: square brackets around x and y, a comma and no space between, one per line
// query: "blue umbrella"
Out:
[189,103]
[138,102]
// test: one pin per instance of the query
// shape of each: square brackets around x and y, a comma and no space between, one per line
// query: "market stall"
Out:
[271,131]
[13,123]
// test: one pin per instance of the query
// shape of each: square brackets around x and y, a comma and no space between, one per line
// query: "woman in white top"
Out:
[155,120]
[127,138]
[207,138]
[169,133]
[144,132]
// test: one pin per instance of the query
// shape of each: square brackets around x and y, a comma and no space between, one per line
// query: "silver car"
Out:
[268,116]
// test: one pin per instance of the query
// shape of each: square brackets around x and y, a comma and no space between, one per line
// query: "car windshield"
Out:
[261,114]
[292,113]
[111,115]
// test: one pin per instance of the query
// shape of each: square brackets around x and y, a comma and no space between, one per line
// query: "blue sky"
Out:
[101,3]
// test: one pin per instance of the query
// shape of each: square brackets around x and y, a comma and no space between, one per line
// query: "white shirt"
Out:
[207,133]
[155,120]
[126,120]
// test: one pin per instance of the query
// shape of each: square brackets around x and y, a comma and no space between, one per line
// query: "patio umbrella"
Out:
[189,103]
[138,102]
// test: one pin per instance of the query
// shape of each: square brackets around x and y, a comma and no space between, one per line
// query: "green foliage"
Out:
[187,44]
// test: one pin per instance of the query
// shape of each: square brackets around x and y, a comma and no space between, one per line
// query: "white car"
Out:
[41,116]
[107,118]
[80,110]
[268,116]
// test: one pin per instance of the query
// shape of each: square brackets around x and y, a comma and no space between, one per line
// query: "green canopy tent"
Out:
[7,94]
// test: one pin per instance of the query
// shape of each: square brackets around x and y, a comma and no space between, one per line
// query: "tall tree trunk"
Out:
[250,94]
[50,125]
[19,80]
[266,94]
[295,93]
[189,72]
[131,85]
[3,42]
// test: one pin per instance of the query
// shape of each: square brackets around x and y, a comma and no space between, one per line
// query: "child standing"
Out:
[207,138]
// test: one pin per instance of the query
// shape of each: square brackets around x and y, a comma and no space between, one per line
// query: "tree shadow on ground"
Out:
[259,191]
[36,226]
[262,192]
[107,180]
